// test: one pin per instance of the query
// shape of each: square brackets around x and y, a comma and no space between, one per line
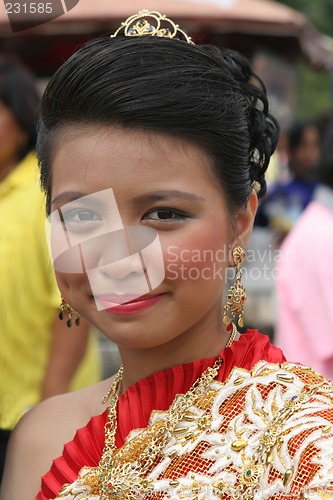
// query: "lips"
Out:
[121,299]
[128,304]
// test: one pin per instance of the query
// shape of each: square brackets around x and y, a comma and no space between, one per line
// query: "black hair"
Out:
[296,133]
[198,93]
[18,92]
[325,170]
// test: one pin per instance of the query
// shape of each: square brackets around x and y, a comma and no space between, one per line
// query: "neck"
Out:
[205,340]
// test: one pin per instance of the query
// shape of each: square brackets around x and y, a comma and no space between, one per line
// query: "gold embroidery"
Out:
[235,453]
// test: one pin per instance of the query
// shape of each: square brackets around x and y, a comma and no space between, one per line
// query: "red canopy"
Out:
[239,24]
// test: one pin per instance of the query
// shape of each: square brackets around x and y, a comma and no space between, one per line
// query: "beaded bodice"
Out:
[263,433]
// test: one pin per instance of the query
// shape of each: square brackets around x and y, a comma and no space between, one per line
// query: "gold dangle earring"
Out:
[67,309]
[236,294]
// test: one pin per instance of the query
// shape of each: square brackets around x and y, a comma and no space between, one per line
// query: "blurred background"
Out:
[288,41]
[290,45]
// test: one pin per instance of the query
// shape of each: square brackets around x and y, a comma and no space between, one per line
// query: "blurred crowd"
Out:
[39,356]
[293,238]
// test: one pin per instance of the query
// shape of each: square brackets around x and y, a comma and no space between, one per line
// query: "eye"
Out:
[165,215]
[81,218]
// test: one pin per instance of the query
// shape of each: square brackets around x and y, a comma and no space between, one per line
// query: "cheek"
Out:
[69,283]
[202,257]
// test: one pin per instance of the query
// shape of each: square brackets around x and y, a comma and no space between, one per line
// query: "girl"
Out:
[153,152]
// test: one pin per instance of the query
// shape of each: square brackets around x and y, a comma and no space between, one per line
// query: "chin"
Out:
[131,333]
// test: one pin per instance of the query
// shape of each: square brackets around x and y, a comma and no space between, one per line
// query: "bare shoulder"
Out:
[40,436]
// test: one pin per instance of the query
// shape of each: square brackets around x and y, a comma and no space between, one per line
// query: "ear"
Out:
[244,221]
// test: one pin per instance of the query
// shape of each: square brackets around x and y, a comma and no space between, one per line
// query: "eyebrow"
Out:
[69,196]
[164,195]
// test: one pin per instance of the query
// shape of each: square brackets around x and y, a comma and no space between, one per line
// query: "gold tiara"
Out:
[151,23]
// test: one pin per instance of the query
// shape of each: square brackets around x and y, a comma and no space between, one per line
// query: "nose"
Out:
[122,279]
[113,266]
[124,263]
[124,268]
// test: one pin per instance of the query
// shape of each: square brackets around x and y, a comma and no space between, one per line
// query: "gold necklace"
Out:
[120,481]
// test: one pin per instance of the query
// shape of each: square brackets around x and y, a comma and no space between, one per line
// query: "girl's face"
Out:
[142,188]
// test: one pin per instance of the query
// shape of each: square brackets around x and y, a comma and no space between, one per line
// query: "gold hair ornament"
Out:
[151,23]
[256,186]
[236,294]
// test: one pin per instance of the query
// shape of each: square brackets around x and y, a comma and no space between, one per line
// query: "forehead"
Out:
[97,156]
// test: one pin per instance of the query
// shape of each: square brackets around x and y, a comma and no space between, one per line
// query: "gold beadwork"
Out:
[119,480]
[204,422]
[173,454]
[285,377]
[236,294]
[239,380]
[180,430]
[252,474]
[265,410]
[250,471]
[271,436]
[151,23]
[238,445]
[287,477]
[189,417]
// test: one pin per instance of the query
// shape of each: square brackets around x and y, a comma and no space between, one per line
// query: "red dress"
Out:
[135,406]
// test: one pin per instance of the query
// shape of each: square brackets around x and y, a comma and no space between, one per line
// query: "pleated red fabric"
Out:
[155,392]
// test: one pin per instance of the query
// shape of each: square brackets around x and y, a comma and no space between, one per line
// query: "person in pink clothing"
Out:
[305,278]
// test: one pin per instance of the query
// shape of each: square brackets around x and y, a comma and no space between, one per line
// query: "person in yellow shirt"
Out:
[39,355]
